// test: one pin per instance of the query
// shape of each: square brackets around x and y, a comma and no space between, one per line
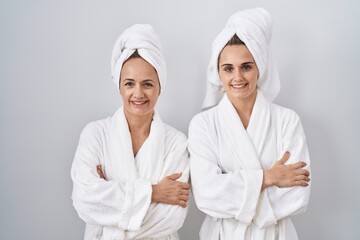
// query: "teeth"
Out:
[138,102]
[239,85]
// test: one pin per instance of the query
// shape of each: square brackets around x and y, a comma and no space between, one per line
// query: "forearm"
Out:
[113,203]
[232,195]
[161,220]
[278,203]
[285,196]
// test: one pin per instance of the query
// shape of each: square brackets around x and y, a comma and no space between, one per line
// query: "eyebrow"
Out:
[229,64]
[132,80]
[129,79]
[247,63]
[148,80]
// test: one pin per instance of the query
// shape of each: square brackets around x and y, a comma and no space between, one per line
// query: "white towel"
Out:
[119,207]
[143,38]
[227,163]
[253,27]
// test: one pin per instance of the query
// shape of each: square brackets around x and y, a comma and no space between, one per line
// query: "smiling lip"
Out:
[239,85]
[139,103]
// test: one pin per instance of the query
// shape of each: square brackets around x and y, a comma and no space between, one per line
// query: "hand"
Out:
[282,175]
[170,191]
[100,171]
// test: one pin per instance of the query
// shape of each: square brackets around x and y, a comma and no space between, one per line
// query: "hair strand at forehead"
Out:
[235,40]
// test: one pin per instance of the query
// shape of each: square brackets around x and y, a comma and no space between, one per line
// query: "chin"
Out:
[240,96]
[141,112]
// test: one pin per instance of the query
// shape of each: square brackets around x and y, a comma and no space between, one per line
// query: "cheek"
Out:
[223,83]
[224,78]
[252,76]
[121,91]
[256,74]
[154,95]
[155,92]
[125,93]
[256,78]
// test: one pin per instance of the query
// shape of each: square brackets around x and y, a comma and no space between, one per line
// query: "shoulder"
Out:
[203,119]
[287,119]
[175,140]
[284,114]
[96,129]
[174,136]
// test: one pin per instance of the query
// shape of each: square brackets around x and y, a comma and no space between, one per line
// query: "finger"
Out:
[174,176]
[284,158]
[184,198]
[184,185]
[302,178]
[302,172]
[185,192]
[173,200]
[182,203]
[301,184]
[297,165]
[98,169]
[100,172]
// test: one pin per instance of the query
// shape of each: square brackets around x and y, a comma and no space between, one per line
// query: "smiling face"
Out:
[238,73]
[139,87]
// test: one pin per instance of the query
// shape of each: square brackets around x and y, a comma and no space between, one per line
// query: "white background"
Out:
[55,78]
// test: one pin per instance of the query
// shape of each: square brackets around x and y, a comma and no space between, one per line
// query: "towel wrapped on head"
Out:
[143,39]
[253,27]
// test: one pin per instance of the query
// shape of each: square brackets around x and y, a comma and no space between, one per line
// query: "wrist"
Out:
[154,195]
[267,180]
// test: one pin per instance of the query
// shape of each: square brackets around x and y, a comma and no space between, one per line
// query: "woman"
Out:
[236,180]
[130,170]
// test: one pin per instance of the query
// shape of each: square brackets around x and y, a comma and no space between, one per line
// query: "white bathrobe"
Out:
[227,163]
[120,207]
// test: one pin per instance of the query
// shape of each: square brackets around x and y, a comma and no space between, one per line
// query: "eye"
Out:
[246,67]
[148,85]
[228,69]
[129,84]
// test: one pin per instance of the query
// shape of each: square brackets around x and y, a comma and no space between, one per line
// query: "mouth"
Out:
[139,103]
[239,86]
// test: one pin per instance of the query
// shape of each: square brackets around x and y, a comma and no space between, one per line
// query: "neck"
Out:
[139,124]
[139,127]
[244,108]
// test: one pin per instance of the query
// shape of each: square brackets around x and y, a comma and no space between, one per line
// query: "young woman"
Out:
[237,178]
[130,170]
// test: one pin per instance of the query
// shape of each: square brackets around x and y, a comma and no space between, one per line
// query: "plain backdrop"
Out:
[55,78]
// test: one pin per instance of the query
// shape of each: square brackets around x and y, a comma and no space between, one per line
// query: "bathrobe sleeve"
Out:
[164,219]
[218,194]
[100,202]
[279,203]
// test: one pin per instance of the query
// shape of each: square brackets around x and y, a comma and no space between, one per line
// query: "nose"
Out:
[238,75]
[138,91]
